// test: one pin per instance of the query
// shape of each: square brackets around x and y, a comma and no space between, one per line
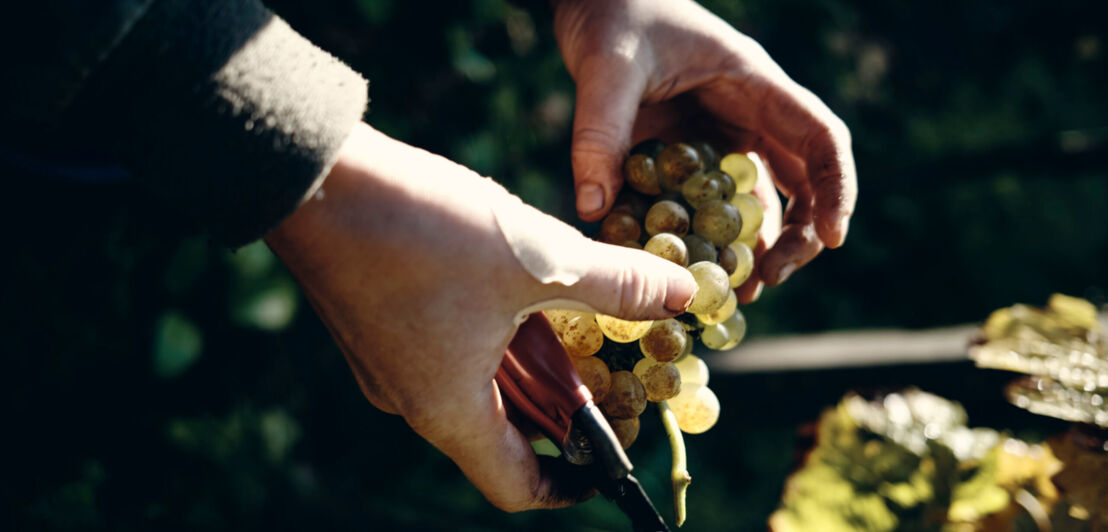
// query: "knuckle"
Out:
[634,292]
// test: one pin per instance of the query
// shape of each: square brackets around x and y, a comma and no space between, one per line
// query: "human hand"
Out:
[411,262]
[672,70]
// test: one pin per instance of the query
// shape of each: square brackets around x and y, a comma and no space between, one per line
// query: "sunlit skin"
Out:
[397,253]
[672,70]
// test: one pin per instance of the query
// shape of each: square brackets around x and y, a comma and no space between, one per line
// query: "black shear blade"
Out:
[628,494]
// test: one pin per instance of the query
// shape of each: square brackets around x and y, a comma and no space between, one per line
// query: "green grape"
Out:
[711,287]
[708,154]
[700,250]
[582,336]
[627,430]
[622,331]
[664,341]
[750,241]
[650,147]
[741,169]
[744,264]
[667,217]
[714,336]
[676,164]
[693,370]
[701,188]
[718,222]
[727,259]
[619,227]
[688,345]
[594,373]
[641,173]
[626,397]
[726,184]
[670,247]
[722,313]
[736,329]
[559,318]
[696,409]
[660,380]
[750,212]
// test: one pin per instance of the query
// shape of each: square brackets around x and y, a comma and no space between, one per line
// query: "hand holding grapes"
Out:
[672,70]
[420,268]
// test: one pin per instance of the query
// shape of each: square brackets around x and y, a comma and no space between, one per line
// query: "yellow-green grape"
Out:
[641,173]
[708,154]
[750,212]
[688,346]
[676,164]
[693,370]
[711,287]
[660,380]
[696,409]
[581,336]
[670,247]
[622,331]
[619,227]
[559,318]
[726,184]
[750,241]
[736,329]
[700,250]
[741,169]
[714,336]
[626,397]
[667,217]
[627,430]
[665,341]
[594,373]
[718,222]
[727,259]
[700,188]
[744,264]
[722,313]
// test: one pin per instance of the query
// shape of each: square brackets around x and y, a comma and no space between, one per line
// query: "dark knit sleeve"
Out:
[222,110]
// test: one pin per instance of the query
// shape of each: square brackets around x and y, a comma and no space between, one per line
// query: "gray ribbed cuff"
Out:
[223,110]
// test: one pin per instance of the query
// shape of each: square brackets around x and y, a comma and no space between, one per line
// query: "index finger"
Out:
[807,128]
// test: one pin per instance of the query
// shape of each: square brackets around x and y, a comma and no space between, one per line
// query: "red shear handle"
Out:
[538,377]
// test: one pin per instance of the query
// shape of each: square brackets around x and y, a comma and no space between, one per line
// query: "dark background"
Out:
[155,381]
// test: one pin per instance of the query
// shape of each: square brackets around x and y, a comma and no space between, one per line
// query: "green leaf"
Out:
[177,345]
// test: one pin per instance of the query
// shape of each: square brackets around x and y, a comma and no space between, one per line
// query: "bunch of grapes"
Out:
[695,209]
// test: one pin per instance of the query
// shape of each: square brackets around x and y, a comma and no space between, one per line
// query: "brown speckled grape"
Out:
[718,222]
[676,164]
[667,217]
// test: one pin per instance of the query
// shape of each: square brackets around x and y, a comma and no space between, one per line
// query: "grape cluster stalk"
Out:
[691,207]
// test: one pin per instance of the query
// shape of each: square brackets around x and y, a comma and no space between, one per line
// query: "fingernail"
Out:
[785,272]
[844,226]
[590,198]
[679,294]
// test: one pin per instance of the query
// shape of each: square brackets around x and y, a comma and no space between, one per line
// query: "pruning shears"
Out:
[539,380]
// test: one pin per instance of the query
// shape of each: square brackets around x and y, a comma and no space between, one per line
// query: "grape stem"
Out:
[679,474]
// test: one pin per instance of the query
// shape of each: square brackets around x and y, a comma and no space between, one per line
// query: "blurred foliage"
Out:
[154,381]
[1061,346]
[907,461]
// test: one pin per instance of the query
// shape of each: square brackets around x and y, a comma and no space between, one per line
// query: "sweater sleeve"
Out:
[222,110]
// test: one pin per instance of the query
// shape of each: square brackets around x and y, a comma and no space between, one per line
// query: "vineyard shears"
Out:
[539,380]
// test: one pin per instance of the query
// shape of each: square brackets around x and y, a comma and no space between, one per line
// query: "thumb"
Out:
[609,89]
[628,283]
